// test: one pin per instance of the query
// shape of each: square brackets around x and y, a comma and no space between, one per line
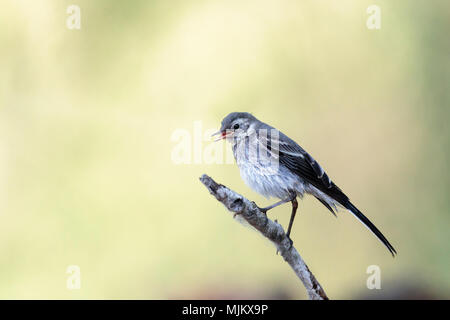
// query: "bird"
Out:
[274,165]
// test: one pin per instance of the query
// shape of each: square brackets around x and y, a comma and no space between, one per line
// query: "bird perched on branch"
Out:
[274,165]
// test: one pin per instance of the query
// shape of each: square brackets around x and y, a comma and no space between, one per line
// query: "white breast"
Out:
[271,180]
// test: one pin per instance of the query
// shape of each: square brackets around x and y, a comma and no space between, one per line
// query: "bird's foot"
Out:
[263,210]
[291,243]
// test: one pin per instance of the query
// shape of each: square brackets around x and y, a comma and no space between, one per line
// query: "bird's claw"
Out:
[290,244]
[263,210]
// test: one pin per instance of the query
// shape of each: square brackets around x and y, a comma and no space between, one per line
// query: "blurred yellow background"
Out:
[87,116]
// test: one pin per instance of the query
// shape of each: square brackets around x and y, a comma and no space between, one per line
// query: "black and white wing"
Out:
[300,162]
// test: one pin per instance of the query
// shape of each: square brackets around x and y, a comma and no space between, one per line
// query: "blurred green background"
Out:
[87,116]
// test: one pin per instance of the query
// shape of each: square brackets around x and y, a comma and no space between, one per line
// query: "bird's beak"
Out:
[223,135]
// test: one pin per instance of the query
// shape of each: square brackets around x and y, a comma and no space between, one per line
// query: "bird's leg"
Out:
[291,221]
[274,205]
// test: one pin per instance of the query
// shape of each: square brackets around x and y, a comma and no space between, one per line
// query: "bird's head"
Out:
[236,125]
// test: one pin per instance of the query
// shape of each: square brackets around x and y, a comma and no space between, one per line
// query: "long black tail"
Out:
[358,214]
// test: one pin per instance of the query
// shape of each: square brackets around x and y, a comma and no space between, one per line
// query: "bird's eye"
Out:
[236,126]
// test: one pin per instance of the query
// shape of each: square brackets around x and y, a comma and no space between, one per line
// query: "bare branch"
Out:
[249,212]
